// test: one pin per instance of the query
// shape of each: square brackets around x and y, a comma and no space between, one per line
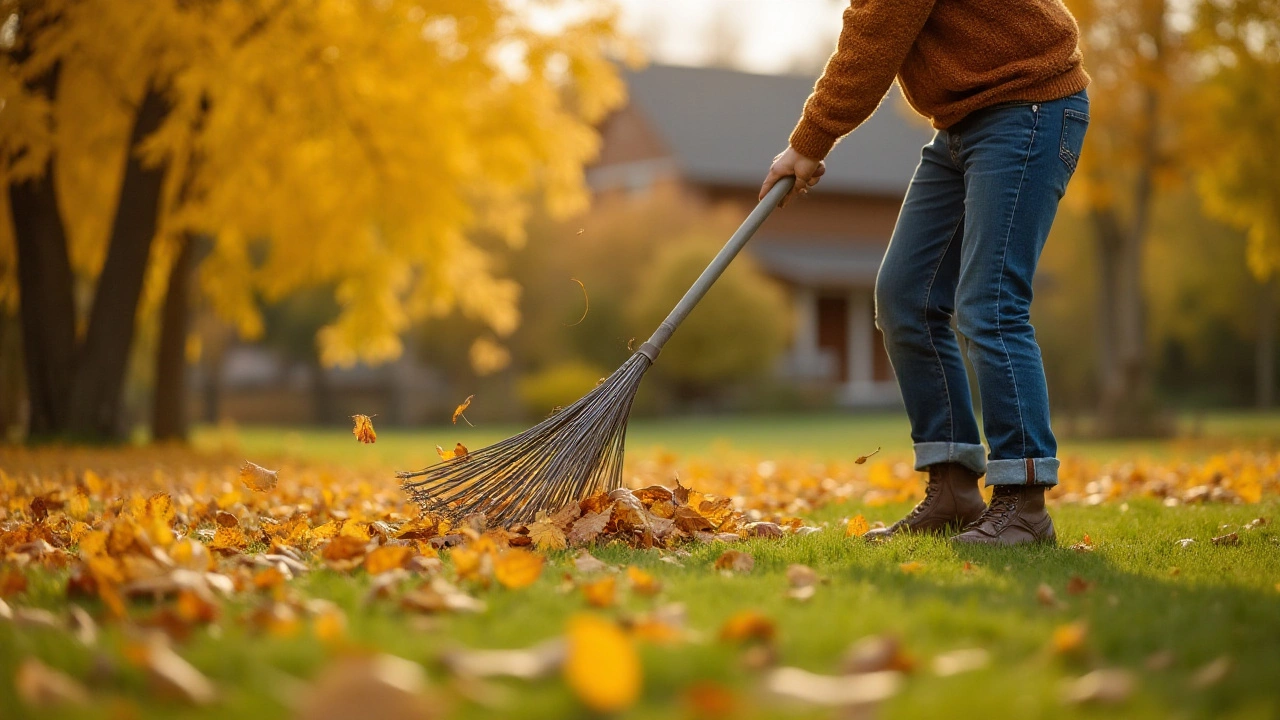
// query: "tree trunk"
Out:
[1265,386]
[103,358]
[169,406]
[46,294]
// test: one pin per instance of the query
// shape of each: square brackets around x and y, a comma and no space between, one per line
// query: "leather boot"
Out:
[951,500]
[1016,516]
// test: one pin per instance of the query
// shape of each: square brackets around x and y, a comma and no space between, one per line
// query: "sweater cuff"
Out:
[812,141]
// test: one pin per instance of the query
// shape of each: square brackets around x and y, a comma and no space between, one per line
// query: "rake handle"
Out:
[654,344]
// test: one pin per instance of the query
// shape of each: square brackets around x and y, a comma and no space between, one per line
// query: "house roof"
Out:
[725,126]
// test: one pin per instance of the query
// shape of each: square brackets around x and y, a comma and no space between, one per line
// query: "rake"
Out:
[578,451]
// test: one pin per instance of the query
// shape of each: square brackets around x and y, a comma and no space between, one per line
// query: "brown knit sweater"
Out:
[951,57]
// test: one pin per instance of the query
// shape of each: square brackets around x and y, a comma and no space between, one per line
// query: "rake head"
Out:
[572,454]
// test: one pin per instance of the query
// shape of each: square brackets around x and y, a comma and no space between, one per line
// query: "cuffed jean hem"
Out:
[969,455]
[1028,471]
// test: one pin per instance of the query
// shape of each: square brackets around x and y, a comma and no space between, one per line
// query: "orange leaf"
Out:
[257,478]
[1069,638]
[857,527]
[748,625]
[600,593]
[863,458]
[387,557]
[517,568]
[602,666]
[642,582]
[458,452]
[457,412]
[735,561]
[363,429]
[229,539]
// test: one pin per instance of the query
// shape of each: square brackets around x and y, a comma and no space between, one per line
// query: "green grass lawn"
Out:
[1149,596]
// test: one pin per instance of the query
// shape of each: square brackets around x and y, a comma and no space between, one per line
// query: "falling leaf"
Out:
[960,661]
[600,593]
[1230,539]
[257,478]
[857,527]
[458,411]
[642,582]
[586,303]
[1069,638]
[387,557]
[377,686]
[863,458]
[363,429]
[547,536]
[735,561]
[911,567]
[602,666]
[1106,686]
[748,625]
[40,686]
[516,568]
[459,452]
[832,691]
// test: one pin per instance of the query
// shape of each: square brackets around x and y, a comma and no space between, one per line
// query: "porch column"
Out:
[804,348]
[861,339]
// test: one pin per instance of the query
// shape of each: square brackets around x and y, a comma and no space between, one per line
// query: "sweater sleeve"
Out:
[874,42]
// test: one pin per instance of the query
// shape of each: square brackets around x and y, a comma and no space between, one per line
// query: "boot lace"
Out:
[1003,504]
[930,494]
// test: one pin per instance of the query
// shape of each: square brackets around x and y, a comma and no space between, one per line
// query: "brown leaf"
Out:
[1230,539]
[378,686]
[1078,585]
[690,521]
[762,529]
[363,429]
[457,412]
[586,528]
[710,700]
[257,478]
[878,652]
[735,561]
[799,576]
[40,686]
[1046,596]
[863,458]
[1106,686]
[12,582]
[585,562]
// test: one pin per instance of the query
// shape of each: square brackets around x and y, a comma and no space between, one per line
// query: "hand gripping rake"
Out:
[578,451]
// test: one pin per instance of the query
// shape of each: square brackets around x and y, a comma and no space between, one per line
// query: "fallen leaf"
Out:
[1185,542]
[387,557]
[875,653]
[1069,638]
[536,662]
[960,661]
[1212,673]
[1046,596]
[329,623]
[1085,544]
[857,527]
[602,666]
[381,686]
[585,562]
[863,458]
[546,536]
[748,625]
[799,576]
[586,528]
[1230,539]
[642,582]
[1106,686]
[40,686]
[1255,523]
[257,478]
[516,568]
[459,452]
[1078,585]
[363,429]
[458,411]
[600,593]
[735,561]
[832,691]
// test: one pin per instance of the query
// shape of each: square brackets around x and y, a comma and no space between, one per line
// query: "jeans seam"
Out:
[942,371]
[1004,256]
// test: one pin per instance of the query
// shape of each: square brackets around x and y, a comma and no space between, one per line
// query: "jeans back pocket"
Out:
[1074,125]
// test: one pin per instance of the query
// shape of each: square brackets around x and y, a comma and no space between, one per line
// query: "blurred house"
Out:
[714,132]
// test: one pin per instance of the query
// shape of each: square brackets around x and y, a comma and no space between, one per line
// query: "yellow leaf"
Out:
[642,582]
[257,478]
[912,567]
[602,666]
[459,452]
[330,624]
[1069,638]
[546,536]
[857,527]
[387,557]
[466,562]
[363,429]
[229,539]
[457,412]
[600,593]
[517,568]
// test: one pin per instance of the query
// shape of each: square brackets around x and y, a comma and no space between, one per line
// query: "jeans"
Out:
[965,247]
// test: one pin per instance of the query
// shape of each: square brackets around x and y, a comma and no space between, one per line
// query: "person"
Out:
[1003,85]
